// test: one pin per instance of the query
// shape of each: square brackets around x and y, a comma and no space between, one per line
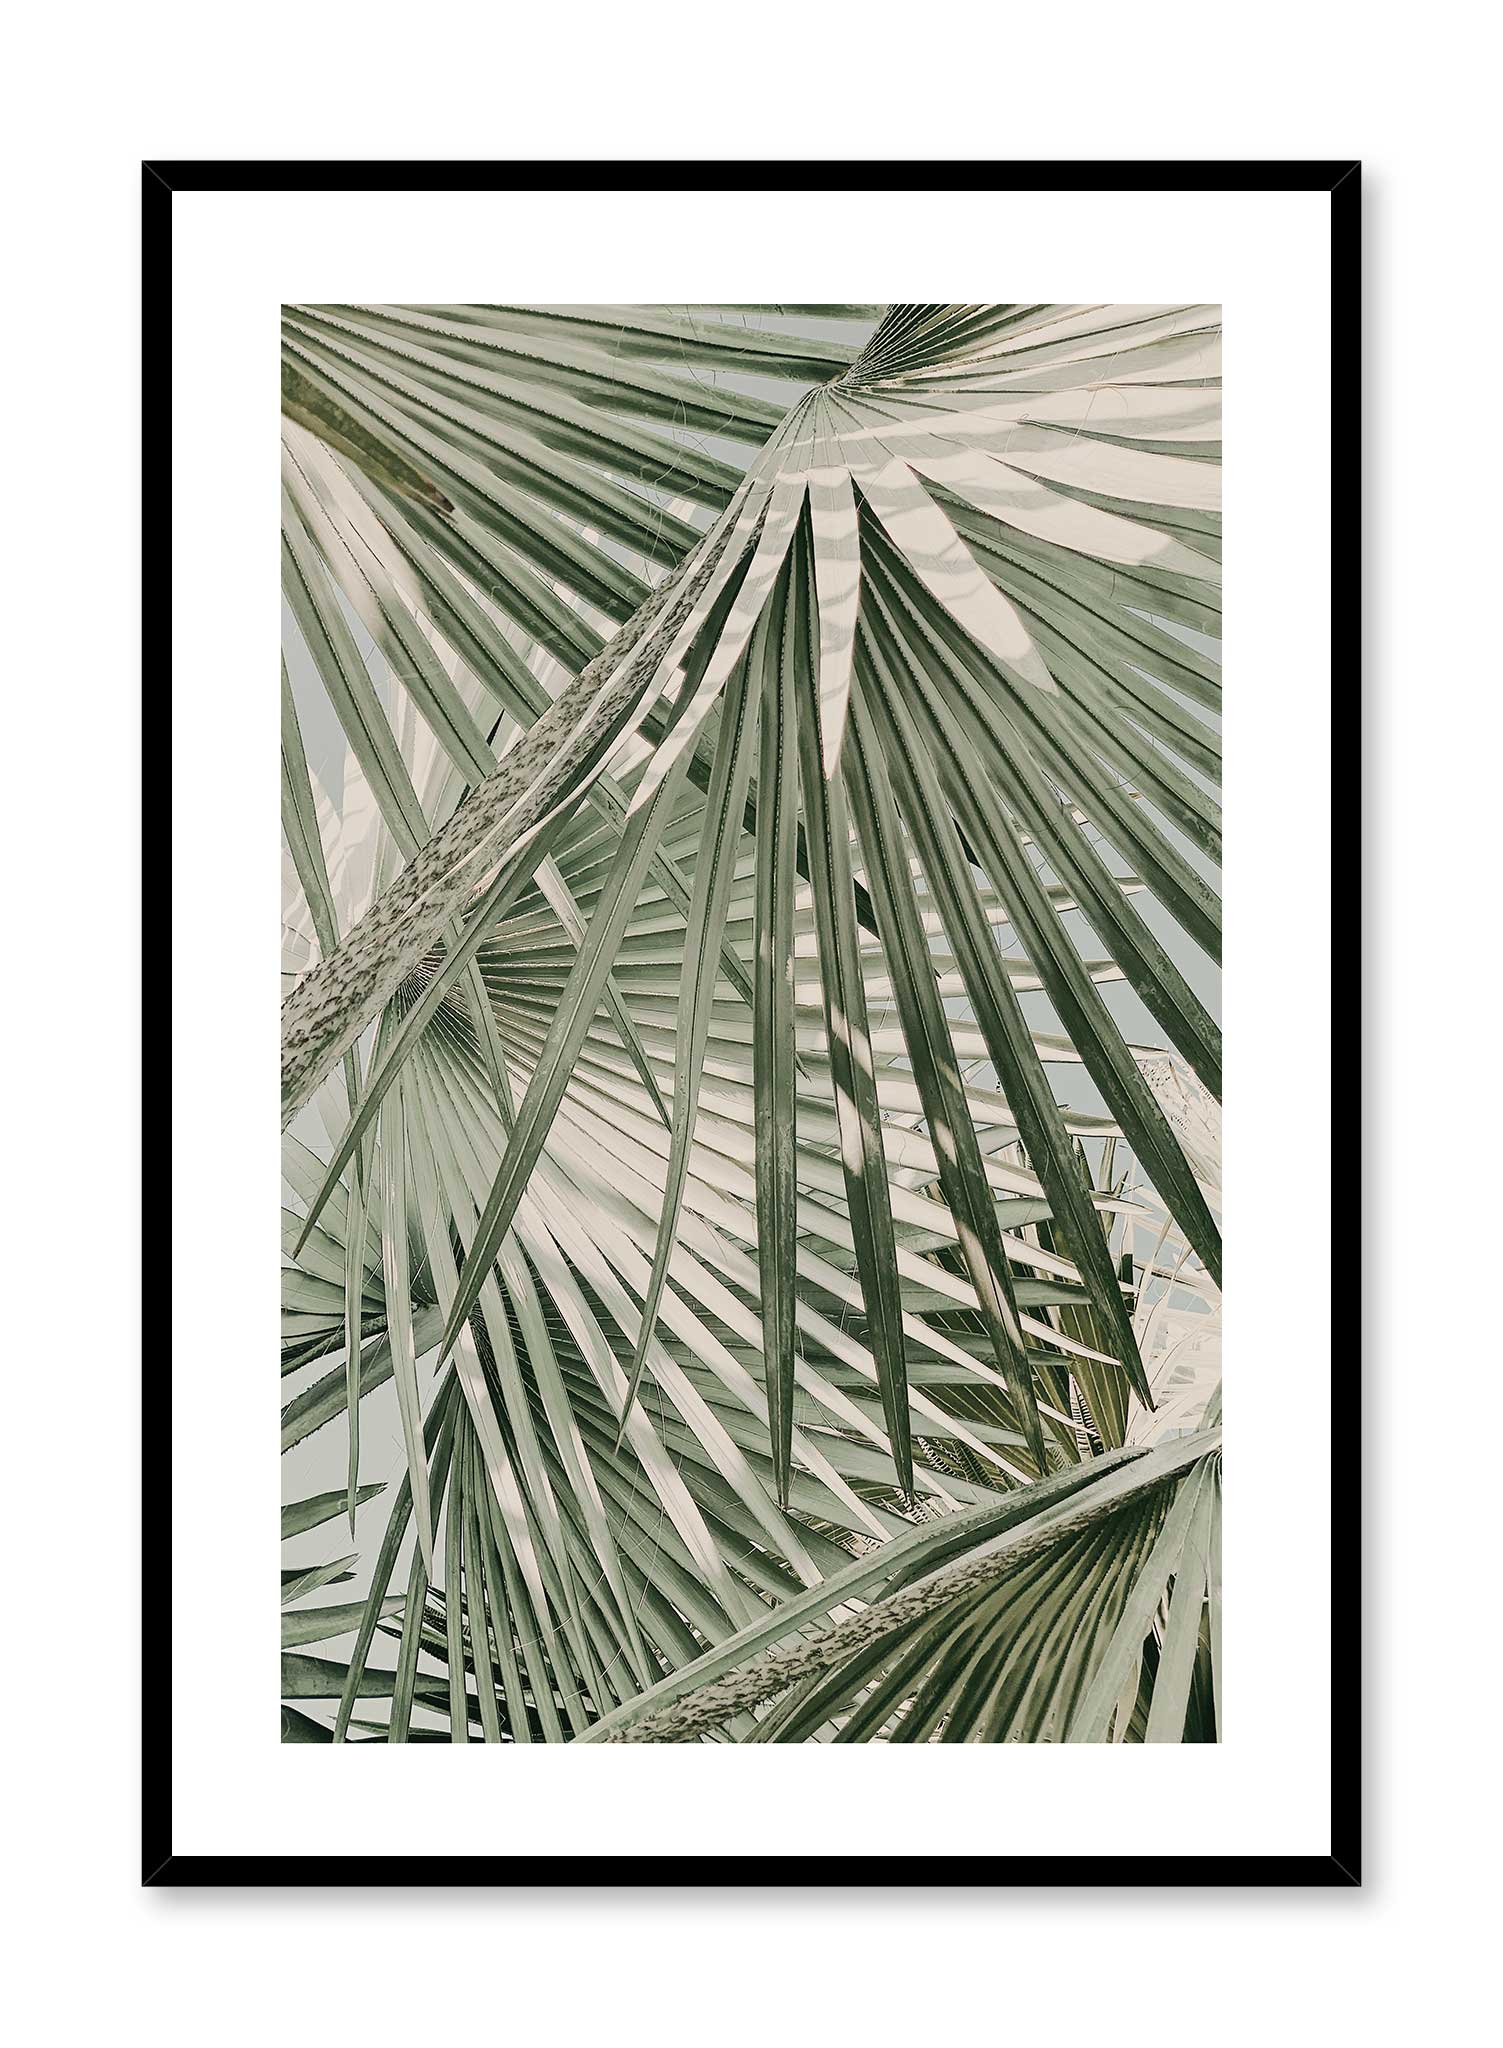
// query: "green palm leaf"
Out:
[758,833]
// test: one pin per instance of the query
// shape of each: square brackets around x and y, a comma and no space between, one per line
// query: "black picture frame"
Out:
[160,179]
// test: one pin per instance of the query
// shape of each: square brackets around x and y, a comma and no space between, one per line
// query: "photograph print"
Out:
[751,1053]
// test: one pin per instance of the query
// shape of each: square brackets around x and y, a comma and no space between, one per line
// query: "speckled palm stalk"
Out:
[343,993]
[698,1713]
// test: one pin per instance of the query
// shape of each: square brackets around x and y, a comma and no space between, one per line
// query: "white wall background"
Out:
[98,1956]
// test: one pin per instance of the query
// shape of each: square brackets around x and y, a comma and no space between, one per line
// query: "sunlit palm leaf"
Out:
[1028,1621]
[957,593]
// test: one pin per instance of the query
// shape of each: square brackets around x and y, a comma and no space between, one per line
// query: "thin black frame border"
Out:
[159,180]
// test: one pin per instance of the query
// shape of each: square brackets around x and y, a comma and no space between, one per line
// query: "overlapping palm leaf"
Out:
[1086,1608]
[707,1132]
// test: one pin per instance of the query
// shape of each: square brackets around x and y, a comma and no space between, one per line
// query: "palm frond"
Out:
[750,813]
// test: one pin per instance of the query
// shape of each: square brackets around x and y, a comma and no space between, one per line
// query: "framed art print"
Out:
[747,1024]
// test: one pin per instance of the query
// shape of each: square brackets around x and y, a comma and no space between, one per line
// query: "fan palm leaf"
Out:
[737,778]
